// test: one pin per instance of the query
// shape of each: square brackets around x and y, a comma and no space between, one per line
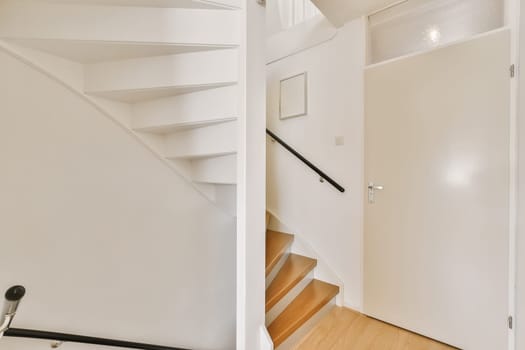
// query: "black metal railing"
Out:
[322,175]
[81,339]
[13,297]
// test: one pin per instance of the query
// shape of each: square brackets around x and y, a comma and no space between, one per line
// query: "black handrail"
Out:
[14,296]
[305,161]
[72,338]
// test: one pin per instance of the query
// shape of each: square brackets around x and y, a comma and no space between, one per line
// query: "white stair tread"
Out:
[192,156]
[56,21]
[188,125]
[155,3]
[216,182]
[205,142]
[188,110]
[146,78]
[138,95]
[91,51]
[216,170]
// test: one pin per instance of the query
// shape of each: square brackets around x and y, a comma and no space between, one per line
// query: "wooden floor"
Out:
[344,329]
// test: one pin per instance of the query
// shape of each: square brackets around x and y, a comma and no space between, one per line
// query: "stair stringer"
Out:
[70,75]
[323,271]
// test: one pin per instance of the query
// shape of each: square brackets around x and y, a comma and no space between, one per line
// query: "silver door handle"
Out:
[372,188]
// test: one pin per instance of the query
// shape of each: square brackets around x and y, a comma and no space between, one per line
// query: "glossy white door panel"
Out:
[436,236]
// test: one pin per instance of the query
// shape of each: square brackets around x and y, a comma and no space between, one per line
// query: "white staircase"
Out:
[166,70]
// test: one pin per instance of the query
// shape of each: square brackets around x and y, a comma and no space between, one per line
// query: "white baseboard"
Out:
[266,340]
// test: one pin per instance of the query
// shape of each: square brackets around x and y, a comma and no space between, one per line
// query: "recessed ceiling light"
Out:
[433,35]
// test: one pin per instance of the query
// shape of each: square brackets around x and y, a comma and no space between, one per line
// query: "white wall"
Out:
[273,19]
[299,38]
[106,238]
[330,221]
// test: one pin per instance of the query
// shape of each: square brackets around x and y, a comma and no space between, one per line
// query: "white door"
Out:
[436,236]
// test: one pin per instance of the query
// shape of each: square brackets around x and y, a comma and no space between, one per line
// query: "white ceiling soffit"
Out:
[339,12]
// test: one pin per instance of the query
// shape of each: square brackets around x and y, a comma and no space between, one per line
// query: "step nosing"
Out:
[129,42]
[279,242]
[291,283]
[298,322]
[320,293]
[162,87]
[185,124]
[202,155]
[309,311]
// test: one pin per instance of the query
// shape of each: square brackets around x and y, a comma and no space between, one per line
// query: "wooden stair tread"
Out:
[312,299]
[293,271]
[276,245]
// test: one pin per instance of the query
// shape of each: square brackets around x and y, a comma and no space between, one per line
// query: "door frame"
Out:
[512,20]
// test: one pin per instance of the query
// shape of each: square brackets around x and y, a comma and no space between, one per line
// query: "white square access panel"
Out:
[293,101]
